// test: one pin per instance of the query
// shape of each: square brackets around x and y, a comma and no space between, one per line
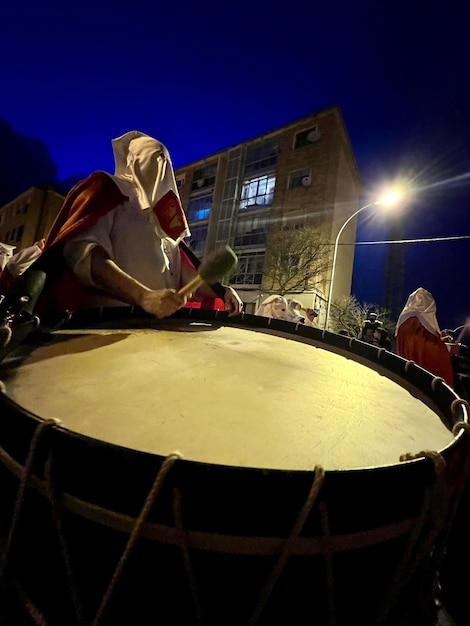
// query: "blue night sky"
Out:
[202,77]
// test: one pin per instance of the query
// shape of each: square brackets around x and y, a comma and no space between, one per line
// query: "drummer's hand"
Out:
[233,303]
[162,302]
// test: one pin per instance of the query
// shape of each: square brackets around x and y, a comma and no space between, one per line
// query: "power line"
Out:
[373,243]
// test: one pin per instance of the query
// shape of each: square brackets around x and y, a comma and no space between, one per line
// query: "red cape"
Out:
[84,205]
[415,343]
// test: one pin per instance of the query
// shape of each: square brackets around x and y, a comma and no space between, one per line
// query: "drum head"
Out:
[222,395]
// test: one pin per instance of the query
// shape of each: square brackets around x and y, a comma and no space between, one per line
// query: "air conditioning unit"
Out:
[314,135]
[306,181]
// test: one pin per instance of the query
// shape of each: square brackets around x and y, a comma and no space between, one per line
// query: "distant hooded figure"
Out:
[19,263]
[116,238]
[418,336]
[6,252]
[312,317]
[296,307]
[276,307]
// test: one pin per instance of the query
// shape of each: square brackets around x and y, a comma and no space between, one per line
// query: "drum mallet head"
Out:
[214,266]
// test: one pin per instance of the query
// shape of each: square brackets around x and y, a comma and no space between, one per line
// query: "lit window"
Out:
[199,208]
[258,192]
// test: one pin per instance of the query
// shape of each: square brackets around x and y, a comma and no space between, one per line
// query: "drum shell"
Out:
[234,523]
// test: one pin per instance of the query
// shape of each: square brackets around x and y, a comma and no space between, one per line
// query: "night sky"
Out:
[202,77]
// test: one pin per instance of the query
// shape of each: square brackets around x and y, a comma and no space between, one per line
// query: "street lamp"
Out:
[388,198]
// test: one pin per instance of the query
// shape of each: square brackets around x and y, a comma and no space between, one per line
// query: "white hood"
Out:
[145,164]
[276,307]
[420,304]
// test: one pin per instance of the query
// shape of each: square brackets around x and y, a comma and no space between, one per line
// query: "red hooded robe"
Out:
[84,205]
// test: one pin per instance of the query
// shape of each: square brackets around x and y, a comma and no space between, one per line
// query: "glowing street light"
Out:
[389,198]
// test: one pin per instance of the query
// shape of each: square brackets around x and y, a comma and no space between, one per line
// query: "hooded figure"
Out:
[119,236]
[311,317]
[6,252]
[418,336]
[276,307]
[19,263]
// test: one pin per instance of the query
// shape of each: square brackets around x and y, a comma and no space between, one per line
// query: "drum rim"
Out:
[362,352]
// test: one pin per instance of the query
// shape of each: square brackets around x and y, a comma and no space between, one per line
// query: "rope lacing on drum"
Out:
[435,380]
[285,552]
[25,475]
[57,508]
[149,501]
[184,546]
[454,407]
[29,606]
[423,541]
[328,552]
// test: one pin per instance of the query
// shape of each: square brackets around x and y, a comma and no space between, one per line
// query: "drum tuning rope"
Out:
[454,407]
[184,546]
[25,475]
[435,381]
[425,543]
[57,509]
[155,489]
[31,609]
[319,477]
[328,552]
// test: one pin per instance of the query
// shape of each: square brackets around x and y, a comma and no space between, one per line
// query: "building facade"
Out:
[29,217]
[299,174]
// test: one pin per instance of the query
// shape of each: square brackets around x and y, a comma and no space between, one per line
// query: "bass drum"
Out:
[210,470]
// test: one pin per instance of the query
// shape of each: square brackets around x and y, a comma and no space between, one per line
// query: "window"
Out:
[223,231]
[307,137]
[204,176]
[258,192]
[22,208]
[293,226]
[261,156]
[251,231]
[180,181]
[199,208]
[19,233]
[300,178]
[250,269]
[197,240]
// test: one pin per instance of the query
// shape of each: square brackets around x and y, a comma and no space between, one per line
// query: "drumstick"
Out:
[213,267]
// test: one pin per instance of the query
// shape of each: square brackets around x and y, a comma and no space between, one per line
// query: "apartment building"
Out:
[301,173]
[29,216]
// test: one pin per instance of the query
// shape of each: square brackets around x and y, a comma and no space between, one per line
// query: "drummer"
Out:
[418,336]
[115,240]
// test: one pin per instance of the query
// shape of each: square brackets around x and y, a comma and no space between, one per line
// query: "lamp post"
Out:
[389,198]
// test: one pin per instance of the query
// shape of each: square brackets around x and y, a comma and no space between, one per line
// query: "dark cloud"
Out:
[24,162]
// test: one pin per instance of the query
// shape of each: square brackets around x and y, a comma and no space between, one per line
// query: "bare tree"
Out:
[296,260]
[347,314]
